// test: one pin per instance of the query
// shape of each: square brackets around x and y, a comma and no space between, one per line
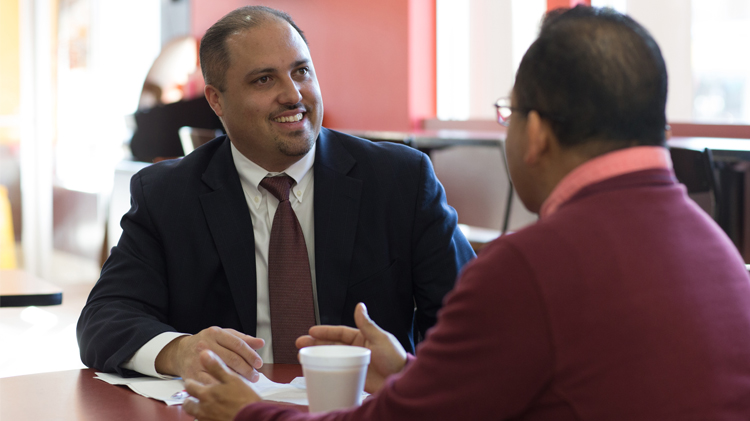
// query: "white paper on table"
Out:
[294,392]
[172,391]
[299,382]
[169,391]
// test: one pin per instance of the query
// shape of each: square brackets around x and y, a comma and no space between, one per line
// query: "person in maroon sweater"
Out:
[624,302]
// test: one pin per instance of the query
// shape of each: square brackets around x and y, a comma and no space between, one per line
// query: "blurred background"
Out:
[93,90]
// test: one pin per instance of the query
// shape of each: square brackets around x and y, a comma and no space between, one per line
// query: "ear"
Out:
[538,133]
[214,97]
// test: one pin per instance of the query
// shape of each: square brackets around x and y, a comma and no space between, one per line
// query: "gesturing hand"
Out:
[222,400]
[388,356]
[181,356]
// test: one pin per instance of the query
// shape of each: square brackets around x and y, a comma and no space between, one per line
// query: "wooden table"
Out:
[722,149]
[21,289]
[75,396]
[429,140]
[478,237]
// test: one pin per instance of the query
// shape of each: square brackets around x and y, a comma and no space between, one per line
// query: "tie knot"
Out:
[278,186]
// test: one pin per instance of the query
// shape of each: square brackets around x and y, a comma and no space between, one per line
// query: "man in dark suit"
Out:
[192,268]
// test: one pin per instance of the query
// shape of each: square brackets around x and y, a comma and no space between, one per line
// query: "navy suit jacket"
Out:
[384,235]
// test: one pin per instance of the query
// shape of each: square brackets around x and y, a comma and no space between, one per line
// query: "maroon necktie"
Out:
[289,282]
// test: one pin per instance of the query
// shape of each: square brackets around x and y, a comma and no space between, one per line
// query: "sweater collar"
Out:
[611,164]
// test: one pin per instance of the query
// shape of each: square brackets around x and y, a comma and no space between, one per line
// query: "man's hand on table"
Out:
[219,401]
[388,356]
[181,357]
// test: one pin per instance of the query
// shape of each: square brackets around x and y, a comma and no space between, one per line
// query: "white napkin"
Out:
[172,392]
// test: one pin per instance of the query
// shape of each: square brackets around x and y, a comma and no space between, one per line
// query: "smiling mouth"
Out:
[290,119]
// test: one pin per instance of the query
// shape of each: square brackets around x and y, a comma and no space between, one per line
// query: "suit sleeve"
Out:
[128,305]
[489,357]
[439,247]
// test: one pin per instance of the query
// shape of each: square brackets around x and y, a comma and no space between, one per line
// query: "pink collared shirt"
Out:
[612,164]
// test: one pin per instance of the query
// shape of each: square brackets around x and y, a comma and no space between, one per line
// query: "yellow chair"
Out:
[7,239]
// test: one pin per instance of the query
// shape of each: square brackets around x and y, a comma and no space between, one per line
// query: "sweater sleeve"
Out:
[488,357]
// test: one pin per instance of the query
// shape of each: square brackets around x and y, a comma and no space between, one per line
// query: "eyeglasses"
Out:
[504,111]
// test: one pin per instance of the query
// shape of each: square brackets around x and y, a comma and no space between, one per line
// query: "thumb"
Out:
[215,366]
[369,329]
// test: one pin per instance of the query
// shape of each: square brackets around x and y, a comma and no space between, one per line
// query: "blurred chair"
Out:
[156,134]
[465,171]
[193,137]
[7,239]
[695,169]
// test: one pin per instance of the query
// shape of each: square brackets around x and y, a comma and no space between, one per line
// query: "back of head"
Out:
[214,54]
[597,76]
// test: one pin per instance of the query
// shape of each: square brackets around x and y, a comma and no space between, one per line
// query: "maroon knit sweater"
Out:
[628,303]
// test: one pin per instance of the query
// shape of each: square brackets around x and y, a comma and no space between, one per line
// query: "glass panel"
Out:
[720,70]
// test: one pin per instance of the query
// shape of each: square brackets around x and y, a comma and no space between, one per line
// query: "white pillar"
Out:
[37,128]
[490,50]
[500,32]
[452,38]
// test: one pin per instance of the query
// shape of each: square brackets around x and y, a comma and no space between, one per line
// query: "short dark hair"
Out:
[595,75]
[214,54]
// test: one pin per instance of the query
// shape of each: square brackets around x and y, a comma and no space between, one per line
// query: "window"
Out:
[721,71]
[103,58]
[480,44]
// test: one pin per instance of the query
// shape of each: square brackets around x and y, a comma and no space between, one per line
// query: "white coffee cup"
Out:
[335,375]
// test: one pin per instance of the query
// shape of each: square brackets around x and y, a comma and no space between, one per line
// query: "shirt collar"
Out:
[612,164]
[252,174]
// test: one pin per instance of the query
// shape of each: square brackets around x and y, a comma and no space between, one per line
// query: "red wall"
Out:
[375,60]
[555,4]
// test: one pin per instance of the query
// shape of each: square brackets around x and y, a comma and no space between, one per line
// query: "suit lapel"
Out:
[337,200]
[232,230]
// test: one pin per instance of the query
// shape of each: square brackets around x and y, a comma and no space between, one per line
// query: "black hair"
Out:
[214,54]
[595,75]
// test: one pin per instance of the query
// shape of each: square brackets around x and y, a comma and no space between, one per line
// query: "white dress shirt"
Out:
[262,206]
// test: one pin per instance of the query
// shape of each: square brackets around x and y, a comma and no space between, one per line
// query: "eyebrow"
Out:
[300,63]
[255,72]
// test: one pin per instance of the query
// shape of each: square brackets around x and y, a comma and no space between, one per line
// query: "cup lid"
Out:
[334,356]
